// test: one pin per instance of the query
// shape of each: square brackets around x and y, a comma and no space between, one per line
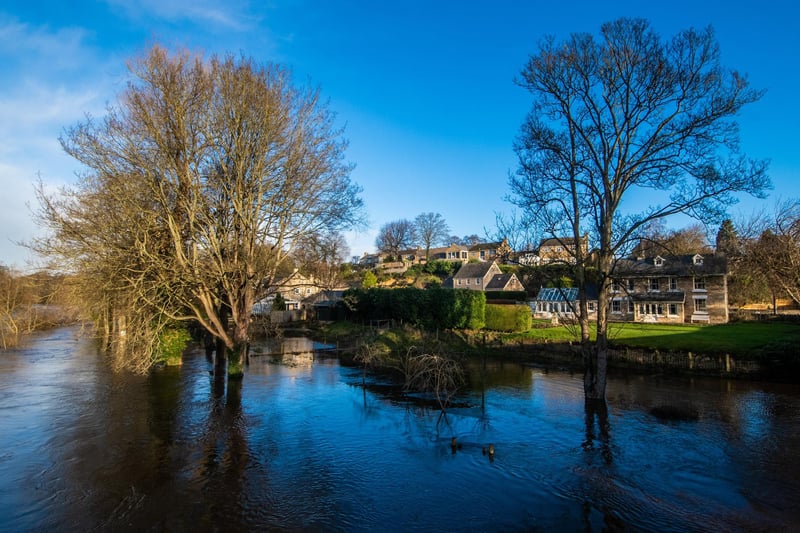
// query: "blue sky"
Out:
[424,89]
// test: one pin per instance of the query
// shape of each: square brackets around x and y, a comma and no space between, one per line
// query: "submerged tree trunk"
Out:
[595,355]
[595,359]
[221,361]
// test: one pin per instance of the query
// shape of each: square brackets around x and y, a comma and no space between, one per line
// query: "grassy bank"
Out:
[742,339]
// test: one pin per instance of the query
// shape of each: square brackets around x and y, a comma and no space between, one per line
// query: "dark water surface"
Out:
[301,445]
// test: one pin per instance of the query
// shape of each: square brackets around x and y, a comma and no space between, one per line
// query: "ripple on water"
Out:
[305,447]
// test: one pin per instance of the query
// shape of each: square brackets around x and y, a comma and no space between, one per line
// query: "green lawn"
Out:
[741,338]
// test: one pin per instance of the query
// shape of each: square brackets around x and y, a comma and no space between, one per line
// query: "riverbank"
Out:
[745,350]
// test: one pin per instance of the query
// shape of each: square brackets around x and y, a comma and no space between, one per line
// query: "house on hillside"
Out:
[490,251]
[485,277]
[454,252]
[671,289]
[371,260]
[562,249]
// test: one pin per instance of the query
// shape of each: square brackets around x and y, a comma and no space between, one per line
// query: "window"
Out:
[477,281]
[630,306]
[297,290]
[673,309]
[658,261]
[616,306]
[590,306]
[631,285]
[483,254]
[698,259]
[700,305]
[654,284]
[459,282]
[615,286]
[673,284]
[463,255]
[699,284]
[468,280]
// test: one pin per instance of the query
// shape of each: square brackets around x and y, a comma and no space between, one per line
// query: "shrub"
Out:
[172,341]
[508,317]
[435,308]
[517,296]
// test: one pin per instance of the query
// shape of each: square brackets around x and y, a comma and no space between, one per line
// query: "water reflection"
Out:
[305,444]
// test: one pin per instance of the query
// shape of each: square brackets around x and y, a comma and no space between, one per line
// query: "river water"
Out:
[302,445]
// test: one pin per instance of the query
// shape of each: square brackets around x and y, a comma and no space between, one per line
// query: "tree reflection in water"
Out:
[598,436]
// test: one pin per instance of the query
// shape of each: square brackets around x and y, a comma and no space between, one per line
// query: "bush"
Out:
[509,318]
[517,296]
[435,308]
[171,343]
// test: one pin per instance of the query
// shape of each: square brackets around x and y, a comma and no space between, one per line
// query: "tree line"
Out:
[426,231]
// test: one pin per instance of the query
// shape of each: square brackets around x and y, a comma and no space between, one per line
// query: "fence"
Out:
[565,353]
[687,362]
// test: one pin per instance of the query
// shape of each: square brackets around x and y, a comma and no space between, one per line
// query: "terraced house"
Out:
[672,289]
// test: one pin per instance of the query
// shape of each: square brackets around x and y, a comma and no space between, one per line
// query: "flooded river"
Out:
[301,445]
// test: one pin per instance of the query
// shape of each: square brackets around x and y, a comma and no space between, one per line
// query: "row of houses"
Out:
[674,289]
[669,289]
[553,250]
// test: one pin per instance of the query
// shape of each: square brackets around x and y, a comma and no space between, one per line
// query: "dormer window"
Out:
[658,261]
[698,259]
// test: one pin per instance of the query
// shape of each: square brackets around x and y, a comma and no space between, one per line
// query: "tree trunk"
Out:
[222,359]
[595,359]
[595,356]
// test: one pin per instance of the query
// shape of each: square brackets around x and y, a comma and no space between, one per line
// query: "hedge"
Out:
[435,308]
[508,317]
[517,296]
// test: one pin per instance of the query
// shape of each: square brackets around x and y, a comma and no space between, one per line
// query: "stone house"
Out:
[296,290]
[485,276]
[561,249]
[454,252]
[490,251]
[671,289]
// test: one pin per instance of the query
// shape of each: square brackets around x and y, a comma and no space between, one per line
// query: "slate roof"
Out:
[666,296]
[473,270]
[681,265]
[498,281]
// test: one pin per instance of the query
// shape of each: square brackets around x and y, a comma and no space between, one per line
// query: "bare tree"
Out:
[395,236]
[775,255]
[657,240]
[430,229]
[323,256]
[199,183]
[627,112]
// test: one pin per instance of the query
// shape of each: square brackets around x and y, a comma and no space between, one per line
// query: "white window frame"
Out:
[701,308]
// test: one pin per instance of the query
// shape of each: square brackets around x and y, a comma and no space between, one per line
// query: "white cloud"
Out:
[50,80]
[230,15]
